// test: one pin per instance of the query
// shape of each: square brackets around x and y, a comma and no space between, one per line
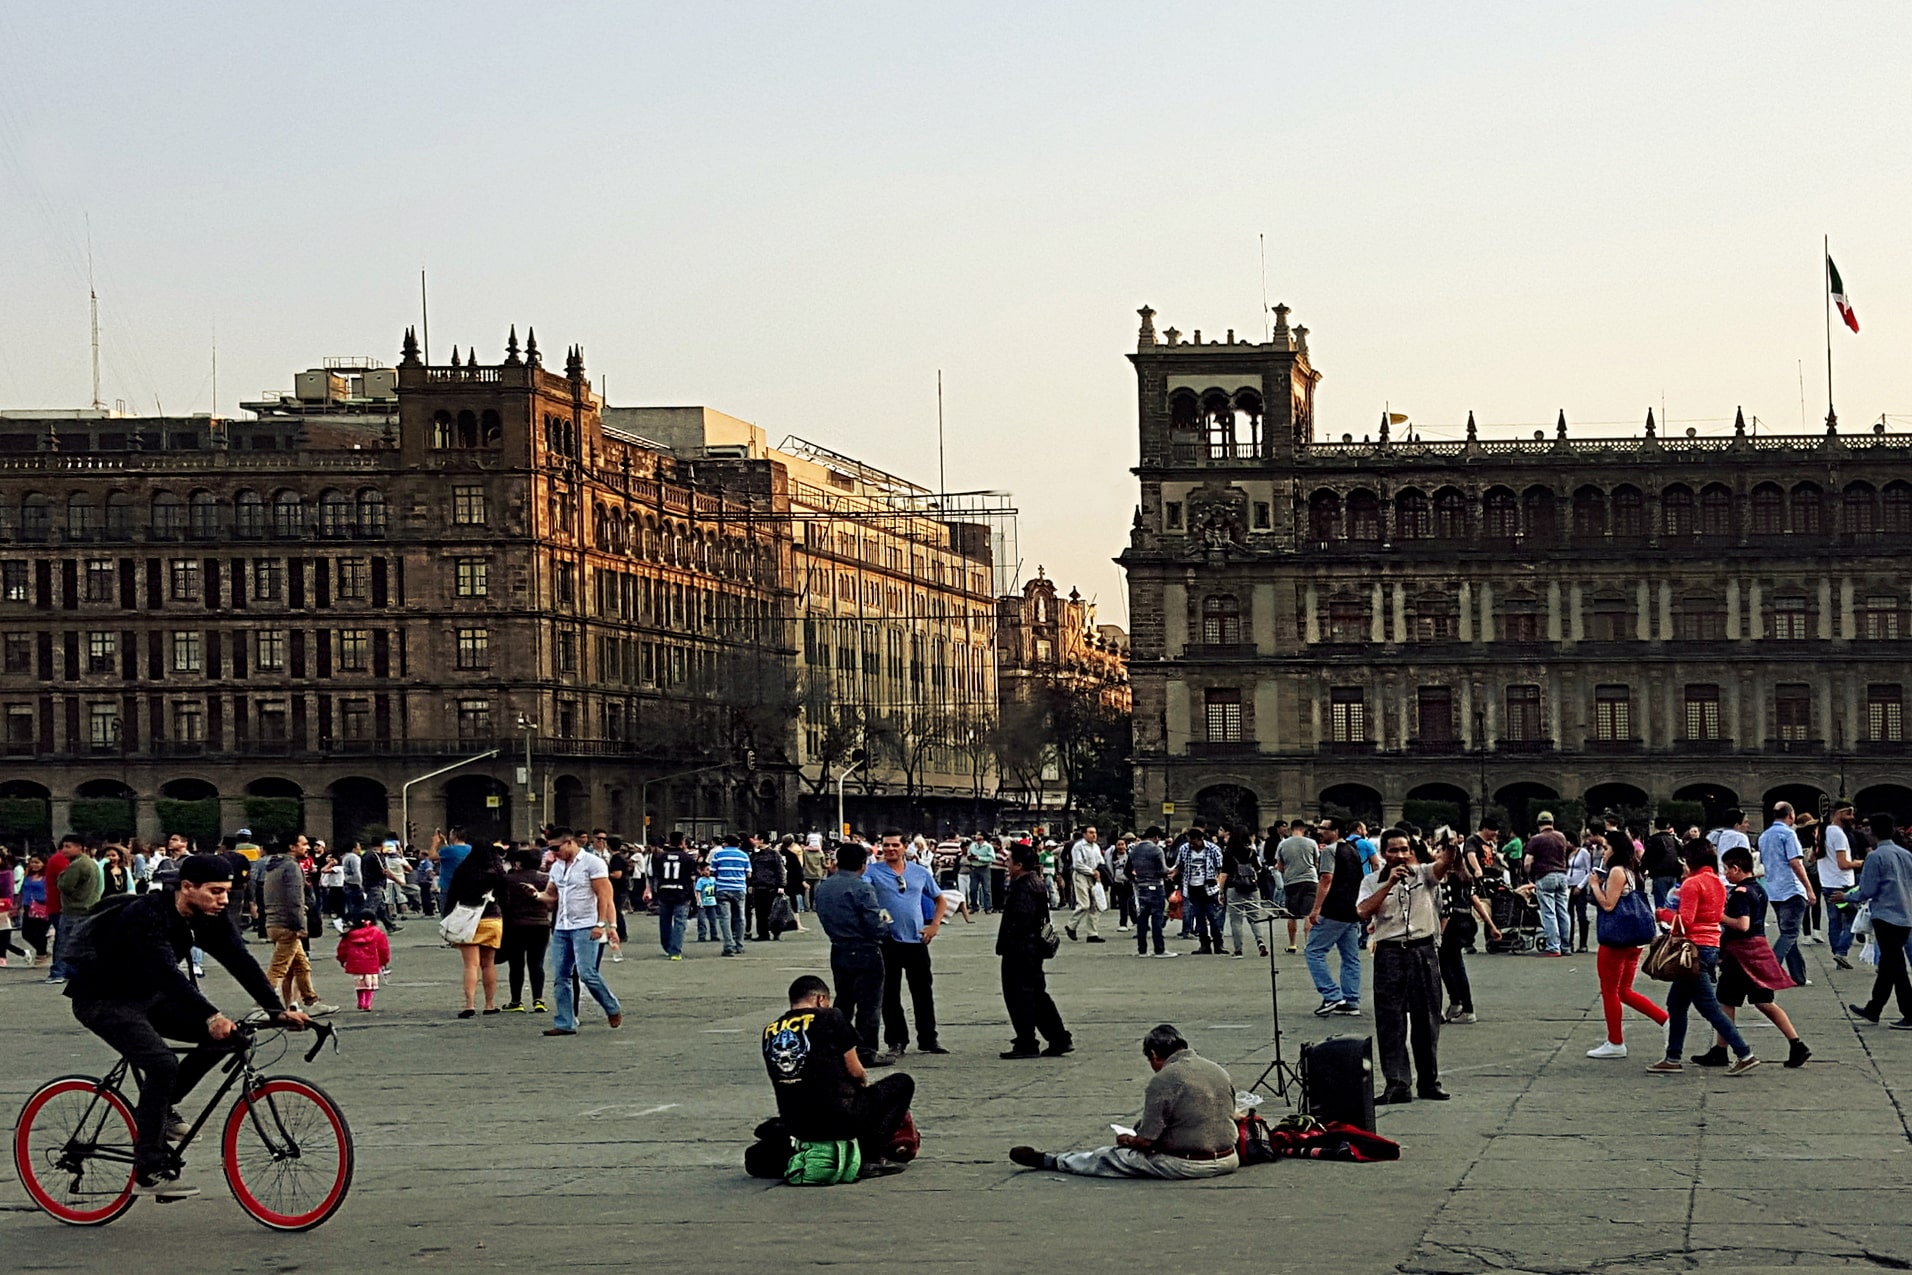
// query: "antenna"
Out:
[213,415]
[93,301]
[942,474]
[1267,333]
[425,314]
[1802,393]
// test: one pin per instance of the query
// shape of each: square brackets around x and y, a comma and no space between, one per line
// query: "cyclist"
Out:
[128,990]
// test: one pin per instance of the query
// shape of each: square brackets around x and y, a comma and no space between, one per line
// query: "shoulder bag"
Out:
[1672,957]
[1629,922]
[460,925]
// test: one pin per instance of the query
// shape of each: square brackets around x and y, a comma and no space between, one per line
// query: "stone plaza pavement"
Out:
[483,1145]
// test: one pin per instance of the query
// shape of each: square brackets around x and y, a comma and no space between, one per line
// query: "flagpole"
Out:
[1825,267]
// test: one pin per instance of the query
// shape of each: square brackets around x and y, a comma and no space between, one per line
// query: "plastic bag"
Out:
[1099,898]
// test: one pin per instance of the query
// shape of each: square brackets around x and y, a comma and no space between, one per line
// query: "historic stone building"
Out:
[1624,621]
[1044,641]
[387,572]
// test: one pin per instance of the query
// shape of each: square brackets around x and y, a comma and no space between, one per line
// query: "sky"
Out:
[800,214]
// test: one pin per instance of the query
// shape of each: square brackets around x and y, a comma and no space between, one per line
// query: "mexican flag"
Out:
[1839,296]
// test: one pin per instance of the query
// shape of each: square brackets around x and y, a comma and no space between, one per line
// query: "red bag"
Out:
[1334,1141]
[906,1142]
[1175,905]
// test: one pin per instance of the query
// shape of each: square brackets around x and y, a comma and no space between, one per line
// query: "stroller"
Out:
[1518,920]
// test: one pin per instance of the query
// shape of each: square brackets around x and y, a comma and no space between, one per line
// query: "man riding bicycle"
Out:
[128,990]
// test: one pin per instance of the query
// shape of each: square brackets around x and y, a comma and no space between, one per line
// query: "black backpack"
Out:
[83,947]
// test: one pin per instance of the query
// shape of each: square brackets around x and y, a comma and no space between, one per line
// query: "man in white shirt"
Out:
[579,892]
[1085,867]
[1838,872]
[1402,903]
[1732,834]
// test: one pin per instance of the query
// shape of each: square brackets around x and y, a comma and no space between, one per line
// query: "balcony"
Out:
[1614,747]
[1223,748]
[1884,747]
[1218,651]
[1526,747]
[1797,747]
[1706,746]
[1435,747]
[1350,747]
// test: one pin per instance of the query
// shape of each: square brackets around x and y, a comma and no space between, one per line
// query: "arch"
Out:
[1769,510]
[1716,511]
[1892,799]
[288,514]
[189,789]
[1184,410]
[203,516]
[1678,516]
[168,516]
[1523,800]
[1500,515]
[1453,518]
[1895,513]
[119,515]
[1808,509]
[1589,515]
[491,430]
[1431,805]
[24,790]
[1539,515]
[105,789]
[1861,514]
[335,514]
[1627,803]
[371,513]
[1229,804]
[1717,798]
[1413,517]
[1352,801]
[468,806]
[1364,516]
[1628,525]
[1324,517]
[82,517]
[249,515]
[466,433]
[273,786]
[1806,799]
[570,804]
[361,810]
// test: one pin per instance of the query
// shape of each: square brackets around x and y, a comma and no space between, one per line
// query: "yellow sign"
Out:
[1168,807]
[492,803]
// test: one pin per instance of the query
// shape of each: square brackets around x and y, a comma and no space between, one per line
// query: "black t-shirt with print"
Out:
[803,1053]
[1343,890]
[674,874]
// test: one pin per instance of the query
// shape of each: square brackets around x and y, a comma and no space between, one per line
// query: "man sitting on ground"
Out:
[1187,1129]
[823,1094]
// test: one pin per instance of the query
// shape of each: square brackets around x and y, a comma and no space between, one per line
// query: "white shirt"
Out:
[1085,856]
[1833,877]
[1725,839]
[577,900]
[1412,908]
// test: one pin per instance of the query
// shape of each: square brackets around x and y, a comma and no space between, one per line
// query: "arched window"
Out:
[1184,410]
[1716,510]
[250,511]
[82,517]
[335,515]
[119,516]
[1808,510]
[467,429]
[1324,517]
[1450,515]
[169,517]
[491,431]
[1221,620]
[1589,516]
[1364,517]
[1676,512]
[1896,502]
[371,513]
[1862,510]
[204,516]
[442,435]
[1537,516]
[1769,510]
[1629,515]
[288,515]
[1500,516]
[1247,419]
[1412,518]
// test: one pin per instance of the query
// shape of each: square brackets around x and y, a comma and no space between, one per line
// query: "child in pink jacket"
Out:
[365,952]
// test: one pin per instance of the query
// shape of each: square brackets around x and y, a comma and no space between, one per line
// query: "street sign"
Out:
[524,776]
[492,803]
[1168,807]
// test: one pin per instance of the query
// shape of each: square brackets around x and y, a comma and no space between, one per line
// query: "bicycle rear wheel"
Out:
[288,1154]
[73,1150]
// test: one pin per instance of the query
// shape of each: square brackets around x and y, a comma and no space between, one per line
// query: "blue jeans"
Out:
[730,919]
[573,953]
[1790,913]
[1200,904]
[979,889]
[707,928]
[1839,928]
[1556,923]
[1344,936]
[671,915]
[62,929]
[1699,993]
[1151,914]
[1663,886]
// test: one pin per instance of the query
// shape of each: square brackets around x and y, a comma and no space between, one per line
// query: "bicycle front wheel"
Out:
[73,1150]
[288,1154]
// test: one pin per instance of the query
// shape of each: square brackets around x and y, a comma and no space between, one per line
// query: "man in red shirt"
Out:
[62,859]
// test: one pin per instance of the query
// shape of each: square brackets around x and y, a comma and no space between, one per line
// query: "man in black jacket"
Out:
[1019,941]
[127,989]
[1662,863]
[848,910]
[766,883]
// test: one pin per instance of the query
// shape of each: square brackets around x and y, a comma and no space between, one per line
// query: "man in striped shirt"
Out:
[1201,862]
[731,867]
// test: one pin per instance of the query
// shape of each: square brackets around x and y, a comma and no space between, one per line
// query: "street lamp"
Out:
[528,726]
[857,758]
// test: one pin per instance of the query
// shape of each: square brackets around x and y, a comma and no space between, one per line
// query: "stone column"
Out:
[1467,612]
[1554,626]
[1311,614]
[1732,610]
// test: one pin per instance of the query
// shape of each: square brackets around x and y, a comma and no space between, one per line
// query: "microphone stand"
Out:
[1286,1076]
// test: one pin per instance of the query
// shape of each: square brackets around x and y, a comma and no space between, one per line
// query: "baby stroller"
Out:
[1518,920]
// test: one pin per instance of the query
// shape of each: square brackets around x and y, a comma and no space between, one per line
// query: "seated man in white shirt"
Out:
[1402,905]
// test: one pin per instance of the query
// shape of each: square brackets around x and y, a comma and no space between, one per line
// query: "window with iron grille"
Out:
[1885,712]
[1880,619]
[1223,706]
[1791,619]
[1348,620]
[1792,705]
[1612,713]
[1221,619]
[1348,714]
[1523,713]
[1702,711]
[1434,714]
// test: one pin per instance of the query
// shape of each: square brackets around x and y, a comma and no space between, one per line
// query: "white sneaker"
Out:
[1164,956]
[318,1009]
[1607,1049]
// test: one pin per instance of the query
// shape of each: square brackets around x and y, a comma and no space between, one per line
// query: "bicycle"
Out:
[285,1146]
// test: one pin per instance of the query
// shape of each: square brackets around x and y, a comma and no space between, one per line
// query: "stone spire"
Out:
[574,363]
[1384,429]
[1739,423]
[511,348]
[531,355]
[454,357]
[1281,316]
[1301,339]
[1471,434]
[1145,335]
[409,350]
[1652,431]
[1560,426]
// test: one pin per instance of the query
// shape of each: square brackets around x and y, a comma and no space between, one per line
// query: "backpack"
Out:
[83,947]
[823,1163]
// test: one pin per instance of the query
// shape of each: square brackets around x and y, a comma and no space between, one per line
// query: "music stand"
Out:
[1285,1074]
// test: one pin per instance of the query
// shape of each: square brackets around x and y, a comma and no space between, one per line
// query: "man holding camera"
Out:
[1402,903]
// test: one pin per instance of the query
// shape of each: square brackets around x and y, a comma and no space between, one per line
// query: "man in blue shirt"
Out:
[731,866]
[1788,888]
[450,849]
[1885,882]
[847,907]
[916,905]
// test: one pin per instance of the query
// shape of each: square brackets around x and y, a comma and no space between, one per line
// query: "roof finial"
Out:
[1281,316]
[1560,427]
[511,348]
[454,357]
[531,354]
[1384,429]
[1145,335]
[1652,431]
[410,347]
[1739,423]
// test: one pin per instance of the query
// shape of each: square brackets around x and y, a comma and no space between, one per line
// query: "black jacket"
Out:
[482,873]
[1023,915]
[140,945]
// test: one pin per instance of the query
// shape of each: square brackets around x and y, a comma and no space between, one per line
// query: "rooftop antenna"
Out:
[1802,393]
[1267,333]
[93,301]
[213,415]
[942,474]
[425,317]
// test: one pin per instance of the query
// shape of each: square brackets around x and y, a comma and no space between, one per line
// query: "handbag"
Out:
[782,919]
[460,925]
[1672,957]
[1629,923]
[1048,942]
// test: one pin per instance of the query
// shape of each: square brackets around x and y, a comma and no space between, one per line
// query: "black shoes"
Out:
[1798,1053]
[1057,1049]
[1391,1097]
[1029,1157]
[1864,1013]
[1021,1051]
[1714,1057]
[931,1049]
[1433,1093]
[1096,938]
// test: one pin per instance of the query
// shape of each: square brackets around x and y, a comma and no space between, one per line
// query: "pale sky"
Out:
[798,213]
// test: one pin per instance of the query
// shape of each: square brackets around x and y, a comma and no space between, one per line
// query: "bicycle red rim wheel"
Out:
[288,1193]
[41,1127]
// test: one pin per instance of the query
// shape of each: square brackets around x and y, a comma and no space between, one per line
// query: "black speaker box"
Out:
[1339,1074]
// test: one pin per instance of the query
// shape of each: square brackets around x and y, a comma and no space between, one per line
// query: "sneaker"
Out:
[881,1168]
[1348,1009]
[1464,1018]
[879,1060]
[1326,1007]
[1070,931]
[674,958]
[1665,1067]
[1057,1049]
[1797,1053]
[1714,1057]
[53,980]
[1095,938]
[1292,949]
[1864,1013]
[537,1007]
[1142,954]
[176,1126]
[1607,1049]
[1029,1157]
[1842,962]
[516,1007]
[1121,929]
[1740,1066]
[319,1009]
[617,958]
[1236,955]
[1164,956]
[1903,1025]
[163,1189]
[199,971]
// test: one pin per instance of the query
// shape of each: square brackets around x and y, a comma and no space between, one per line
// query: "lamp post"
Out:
[1480,742]
[405,791]
[644,794]
[528,726]
[857,758]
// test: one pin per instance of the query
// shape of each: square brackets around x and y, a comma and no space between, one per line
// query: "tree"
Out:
[909,736]
[838,729]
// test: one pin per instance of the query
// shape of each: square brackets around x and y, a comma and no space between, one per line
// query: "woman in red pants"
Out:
[1618,962]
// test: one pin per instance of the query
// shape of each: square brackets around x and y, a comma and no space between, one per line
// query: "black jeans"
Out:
[912,959]
[1124,893]
[878,1109]
[1025,992]
[138,1030]
[1454,968]
[761,900]
[859,992]
[1892,978]
[523,948]
[1407,1007]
